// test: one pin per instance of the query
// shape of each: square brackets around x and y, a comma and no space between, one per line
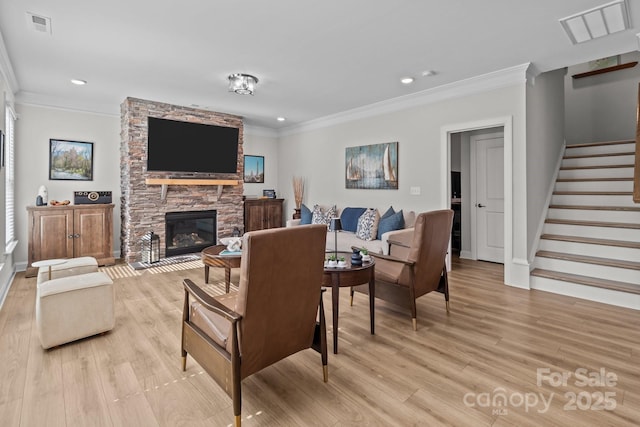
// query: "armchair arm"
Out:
[397,243]
[393,259]
[209,302]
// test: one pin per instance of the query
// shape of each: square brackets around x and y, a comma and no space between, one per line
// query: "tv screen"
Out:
[175,146]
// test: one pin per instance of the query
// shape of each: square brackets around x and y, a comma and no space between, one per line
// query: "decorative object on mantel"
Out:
[269,194]
[150,248]
[242,84]
[298,193]
[372,166]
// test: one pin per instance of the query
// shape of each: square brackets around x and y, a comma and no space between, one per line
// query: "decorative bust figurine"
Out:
[42,192]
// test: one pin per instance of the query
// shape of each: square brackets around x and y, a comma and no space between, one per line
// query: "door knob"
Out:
[480,205]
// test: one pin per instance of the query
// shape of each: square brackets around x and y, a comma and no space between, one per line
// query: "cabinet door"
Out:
[273,214]
[253,216]
[52,234]
[92,229]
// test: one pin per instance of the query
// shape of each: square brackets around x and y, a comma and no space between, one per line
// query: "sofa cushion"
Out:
[368,225]
[349,218]
[390,223]
[319,216]
[388,213]
[305,214]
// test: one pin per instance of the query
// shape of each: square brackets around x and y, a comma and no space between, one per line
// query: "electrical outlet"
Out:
[414,191]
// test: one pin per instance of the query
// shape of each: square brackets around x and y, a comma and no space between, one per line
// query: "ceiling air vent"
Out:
[41,24]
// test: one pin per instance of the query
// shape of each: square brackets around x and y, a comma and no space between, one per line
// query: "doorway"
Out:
[494,137]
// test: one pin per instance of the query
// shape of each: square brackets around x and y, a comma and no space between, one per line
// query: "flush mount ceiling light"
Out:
[78,82]
[406,80]
[597,22]
[281,119]
[243,84]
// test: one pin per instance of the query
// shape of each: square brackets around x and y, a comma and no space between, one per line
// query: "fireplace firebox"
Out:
[188,232]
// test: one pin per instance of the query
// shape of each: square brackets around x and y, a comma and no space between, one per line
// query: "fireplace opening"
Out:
[188,232]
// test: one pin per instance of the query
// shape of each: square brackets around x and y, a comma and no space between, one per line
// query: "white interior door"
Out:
[489,203]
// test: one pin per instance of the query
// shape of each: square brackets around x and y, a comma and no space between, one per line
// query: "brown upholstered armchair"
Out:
[273,315]
[418,268]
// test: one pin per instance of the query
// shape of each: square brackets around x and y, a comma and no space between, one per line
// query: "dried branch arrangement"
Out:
[298,190]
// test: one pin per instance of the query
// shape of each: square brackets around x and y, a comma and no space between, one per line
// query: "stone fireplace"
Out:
[143,208]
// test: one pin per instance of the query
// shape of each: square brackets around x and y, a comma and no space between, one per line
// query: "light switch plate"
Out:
[414,191]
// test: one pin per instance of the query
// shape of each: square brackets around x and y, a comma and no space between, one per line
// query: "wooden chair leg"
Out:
[323,342]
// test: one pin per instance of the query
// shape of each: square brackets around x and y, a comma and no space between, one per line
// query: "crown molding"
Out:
[6,69]
[260,131]
[473,85]
[54,102]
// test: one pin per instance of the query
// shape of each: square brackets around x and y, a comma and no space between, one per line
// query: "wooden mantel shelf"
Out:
[166,182]
[605,70]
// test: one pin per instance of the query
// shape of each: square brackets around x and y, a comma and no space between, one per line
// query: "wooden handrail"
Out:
[636,171]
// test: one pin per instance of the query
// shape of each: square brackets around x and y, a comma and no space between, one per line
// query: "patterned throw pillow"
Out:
[318,216]
[368,225]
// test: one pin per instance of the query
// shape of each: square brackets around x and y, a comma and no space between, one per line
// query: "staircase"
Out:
[590,243]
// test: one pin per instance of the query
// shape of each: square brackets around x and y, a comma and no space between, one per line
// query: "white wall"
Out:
[34,127]
[602,107]
[545,140]
[260,142]
[318,155]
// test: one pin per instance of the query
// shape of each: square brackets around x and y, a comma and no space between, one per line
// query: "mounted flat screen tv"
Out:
[175,146]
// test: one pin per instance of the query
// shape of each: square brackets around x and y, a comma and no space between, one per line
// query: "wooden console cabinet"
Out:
[260,214]
[70,231]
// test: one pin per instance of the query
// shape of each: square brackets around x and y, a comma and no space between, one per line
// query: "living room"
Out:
[523,102]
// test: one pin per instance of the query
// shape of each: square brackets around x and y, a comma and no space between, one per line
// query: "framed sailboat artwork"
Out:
[372,166]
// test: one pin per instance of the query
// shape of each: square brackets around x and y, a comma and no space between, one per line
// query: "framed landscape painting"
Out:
[70,160]
[254,169]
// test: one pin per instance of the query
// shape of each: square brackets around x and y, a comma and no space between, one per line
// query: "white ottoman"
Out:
[74,307]
[72,267]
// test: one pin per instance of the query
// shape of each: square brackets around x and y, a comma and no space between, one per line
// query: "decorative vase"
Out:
[332,263]
[356,258]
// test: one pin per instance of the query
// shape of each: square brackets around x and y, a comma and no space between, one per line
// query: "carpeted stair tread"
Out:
[598,144]
[593,193]
[564,168]
[586,156]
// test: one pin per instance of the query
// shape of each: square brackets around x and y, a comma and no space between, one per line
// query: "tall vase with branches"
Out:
[298,193]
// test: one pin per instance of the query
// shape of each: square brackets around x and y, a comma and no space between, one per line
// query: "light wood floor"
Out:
[452,371]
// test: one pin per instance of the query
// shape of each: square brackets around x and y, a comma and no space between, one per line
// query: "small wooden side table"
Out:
[211,258]
[352,275]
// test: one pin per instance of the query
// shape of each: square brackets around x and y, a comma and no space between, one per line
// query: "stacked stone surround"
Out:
[142,208]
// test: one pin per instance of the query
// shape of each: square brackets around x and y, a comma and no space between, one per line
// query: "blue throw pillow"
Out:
[349,218]
[389,212]
[305,215]
[392,222]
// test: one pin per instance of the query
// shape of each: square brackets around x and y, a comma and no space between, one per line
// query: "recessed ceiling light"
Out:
[281,119]
[78,82]
[406,80]
[428,73]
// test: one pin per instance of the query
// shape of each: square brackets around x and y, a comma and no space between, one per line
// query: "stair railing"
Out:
[636,171]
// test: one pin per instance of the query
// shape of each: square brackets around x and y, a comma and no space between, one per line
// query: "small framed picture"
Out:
[271,194]
[254,169]
[70,160]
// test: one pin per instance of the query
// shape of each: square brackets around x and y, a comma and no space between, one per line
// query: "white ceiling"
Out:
[313,58]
